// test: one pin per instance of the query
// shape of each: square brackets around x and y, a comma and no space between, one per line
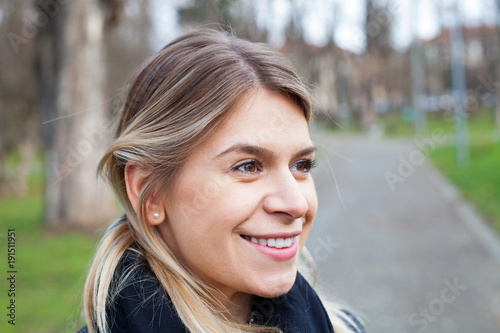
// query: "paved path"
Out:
[408,260]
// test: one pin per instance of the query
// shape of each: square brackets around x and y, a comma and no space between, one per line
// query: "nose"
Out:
[285,196]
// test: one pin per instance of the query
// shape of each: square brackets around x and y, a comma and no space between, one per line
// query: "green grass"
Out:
[480,124]
[479,180]
[394,125]
[50,268]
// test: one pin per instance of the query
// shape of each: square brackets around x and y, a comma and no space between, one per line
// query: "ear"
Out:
[135,176]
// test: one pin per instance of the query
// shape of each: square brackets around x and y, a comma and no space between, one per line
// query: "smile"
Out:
[278,243]
[280,247]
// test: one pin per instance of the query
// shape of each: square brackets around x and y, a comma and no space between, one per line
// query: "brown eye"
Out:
[249,167]
[301,167]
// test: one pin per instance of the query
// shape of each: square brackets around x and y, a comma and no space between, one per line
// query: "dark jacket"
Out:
[142,307]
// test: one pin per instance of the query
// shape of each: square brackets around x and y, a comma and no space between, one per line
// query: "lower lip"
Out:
[285,253]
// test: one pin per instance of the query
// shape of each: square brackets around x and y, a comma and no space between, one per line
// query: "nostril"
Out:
[293,206]
[287,195]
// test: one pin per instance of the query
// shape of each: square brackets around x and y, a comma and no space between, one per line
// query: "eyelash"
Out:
[256,163]
[308,163]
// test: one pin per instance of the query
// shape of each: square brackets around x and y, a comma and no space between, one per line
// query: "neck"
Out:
[239,306]
[237,303]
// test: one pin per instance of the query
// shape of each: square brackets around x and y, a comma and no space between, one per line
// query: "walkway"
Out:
[409,258]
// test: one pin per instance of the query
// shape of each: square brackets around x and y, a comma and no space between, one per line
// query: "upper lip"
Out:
[276,235]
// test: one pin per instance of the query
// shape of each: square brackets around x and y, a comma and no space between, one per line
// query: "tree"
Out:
[72,73]
[231,14]
[378,52]
[19,118]
[204,11]
[127,46]
[497,71]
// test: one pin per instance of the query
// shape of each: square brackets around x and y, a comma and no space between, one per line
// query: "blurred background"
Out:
[407,97]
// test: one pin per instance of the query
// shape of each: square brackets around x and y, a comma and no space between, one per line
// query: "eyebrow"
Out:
[263,152]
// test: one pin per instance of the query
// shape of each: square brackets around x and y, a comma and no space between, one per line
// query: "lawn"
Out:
[480,124]
[50,268]
[478,180]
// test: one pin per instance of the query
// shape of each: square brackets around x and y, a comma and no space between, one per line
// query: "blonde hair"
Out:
[176,100]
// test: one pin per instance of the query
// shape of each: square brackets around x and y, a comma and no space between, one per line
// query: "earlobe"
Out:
[135,176]
[155,212]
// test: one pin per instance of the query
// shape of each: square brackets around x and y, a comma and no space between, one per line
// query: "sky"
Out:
[345,19]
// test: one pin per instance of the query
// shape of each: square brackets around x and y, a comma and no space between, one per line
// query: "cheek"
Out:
[309,192]
[214,212]
[312,199]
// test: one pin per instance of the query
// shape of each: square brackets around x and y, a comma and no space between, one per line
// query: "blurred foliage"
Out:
[481,125]
[19,117]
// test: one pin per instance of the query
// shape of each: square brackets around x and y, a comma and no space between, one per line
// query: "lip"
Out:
[276,235]
[272,252]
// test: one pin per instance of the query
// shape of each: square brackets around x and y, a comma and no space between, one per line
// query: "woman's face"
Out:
[239,212]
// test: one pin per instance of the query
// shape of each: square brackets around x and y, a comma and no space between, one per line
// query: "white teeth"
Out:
[278,243]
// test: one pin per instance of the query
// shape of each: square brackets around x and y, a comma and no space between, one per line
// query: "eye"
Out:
[304,166]
[249,167]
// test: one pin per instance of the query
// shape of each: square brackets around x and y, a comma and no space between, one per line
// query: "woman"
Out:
[211,162]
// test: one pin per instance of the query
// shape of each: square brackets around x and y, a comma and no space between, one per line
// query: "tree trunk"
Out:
[27,150]
[497,69]
[75,128]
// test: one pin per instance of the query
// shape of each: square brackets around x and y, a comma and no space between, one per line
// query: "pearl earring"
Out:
[156,215]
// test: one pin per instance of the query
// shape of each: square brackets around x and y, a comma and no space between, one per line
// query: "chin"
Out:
[277,285]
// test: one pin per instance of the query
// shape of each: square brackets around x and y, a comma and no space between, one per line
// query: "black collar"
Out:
[141,306]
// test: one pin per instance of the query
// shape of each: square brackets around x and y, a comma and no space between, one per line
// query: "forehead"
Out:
[265,118]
